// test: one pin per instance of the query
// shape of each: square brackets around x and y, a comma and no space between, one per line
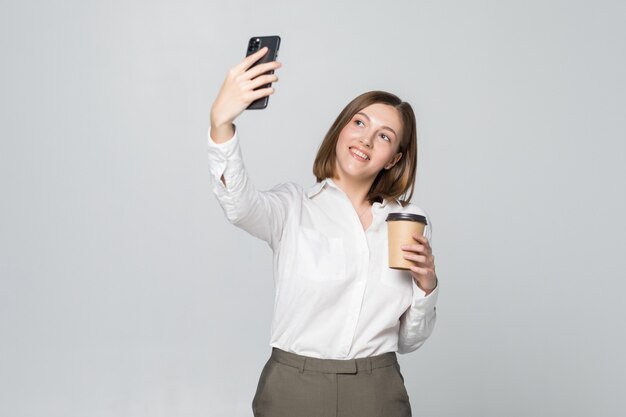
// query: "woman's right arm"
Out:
[260,213]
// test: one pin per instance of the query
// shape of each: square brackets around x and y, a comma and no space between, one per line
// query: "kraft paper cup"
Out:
[400,228]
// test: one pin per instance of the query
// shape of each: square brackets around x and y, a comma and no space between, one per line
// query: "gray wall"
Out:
[125,292]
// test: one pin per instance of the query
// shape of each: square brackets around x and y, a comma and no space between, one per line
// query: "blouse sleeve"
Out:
[260,213]
[418,321]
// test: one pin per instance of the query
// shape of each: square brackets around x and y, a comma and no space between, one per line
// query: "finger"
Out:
[262,80]
[419,270]
[413,248]
[422,271]
[415,258]
[257,94]
[250,59]
[420,238]
[424,241]
[262,68]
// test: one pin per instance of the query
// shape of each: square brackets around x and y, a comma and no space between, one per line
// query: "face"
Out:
[369,143]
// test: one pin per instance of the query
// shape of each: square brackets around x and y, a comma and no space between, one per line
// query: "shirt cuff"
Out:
[422,303]
[224,146]
[220,153]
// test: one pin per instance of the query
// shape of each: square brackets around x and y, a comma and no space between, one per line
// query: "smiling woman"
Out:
[382,128]
[341,314]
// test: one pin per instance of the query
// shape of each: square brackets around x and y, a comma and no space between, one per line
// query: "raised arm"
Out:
[260,213]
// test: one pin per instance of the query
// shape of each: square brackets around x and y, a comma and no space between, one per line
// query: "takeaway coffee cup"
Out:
[400,230]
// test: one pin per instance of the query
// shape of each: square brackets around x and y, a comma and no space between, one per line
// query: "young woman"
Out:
[340,313]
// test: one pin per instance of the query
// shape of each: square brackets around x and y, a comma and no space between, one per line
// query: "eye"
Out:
[385,137]
[359,123]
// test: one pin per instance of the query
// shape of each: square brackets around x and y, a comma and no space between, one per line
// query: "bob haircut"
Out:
[389,184]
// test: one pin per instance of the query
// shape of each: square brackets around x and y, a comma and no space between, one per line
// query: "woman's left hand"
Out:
[422,255]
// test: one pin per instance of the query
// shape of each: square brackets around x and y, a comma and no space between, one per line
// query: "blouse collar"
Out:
[319,186]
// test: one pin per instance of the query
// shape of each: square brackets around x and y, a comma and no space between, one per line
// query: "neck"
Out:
[356,191]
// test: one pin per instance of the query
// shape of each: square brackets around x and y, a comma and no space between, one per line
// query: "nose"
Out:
[366,140]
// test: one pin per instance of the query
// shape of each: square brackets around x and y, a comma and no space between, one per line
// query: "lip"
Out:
[369,158]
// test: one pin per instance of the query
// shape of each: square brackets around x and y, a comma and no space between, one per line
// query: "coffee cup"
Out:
[400,230]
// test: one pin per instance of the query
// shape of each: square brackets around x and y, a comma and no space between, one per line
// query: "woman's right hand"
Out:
[238,91]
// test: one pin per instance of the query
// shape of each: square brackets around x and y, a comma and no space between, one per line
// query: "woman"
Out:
[340,313]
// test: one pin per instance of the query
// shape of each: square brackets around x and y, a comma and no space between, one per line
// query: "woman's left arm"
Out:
[418,322]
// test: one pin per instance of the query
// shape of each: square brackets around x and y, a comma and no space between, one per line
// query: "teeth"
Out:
[361,154]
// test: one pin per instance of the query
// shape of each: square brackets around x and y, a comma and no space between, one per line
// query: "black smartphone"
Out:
[254,44]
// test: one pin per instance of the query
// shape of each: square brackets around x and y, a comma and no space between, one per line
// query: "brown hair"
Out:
[392,183]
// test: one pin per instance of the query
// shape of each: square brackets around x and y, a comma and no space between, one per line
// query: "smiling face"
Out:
[368,143]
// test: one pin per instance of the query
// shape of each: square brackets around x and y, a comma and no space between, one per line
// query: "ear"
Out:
[394,160]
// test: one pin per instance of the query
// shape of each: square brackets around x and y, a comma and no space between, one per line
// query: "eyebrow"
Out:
[382,127]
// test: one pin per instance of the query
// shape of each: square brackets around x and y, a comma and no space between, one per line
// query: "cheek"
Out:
[343,138]
[338,147]
[385,157]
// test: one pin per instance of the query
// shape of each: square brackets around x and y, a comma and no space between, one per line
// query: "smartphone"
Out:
[254,44]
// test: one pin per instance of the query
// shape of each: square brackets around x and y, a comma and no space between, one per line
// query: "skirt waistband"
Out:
[333,366]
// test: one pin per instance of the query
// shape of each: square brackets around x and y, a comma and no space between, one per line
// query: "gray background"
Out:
[125,292]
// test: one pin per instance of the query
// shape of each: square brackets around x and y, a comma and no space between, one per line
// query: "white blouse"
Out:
[335,296]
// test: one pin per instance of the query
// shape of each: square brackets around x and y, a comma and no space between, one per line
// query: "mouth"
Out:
[358,154]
